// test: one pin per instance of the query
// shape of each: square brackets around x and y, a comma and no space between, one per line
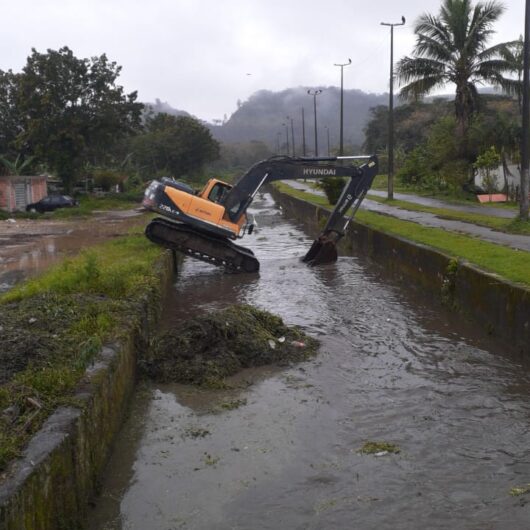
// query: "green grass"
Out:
[512,226]
[88,204]
[508,263]
[53,326]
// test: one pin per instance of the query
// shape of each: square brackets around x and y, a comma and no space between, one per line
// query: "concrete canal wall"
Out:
[50,486]
[499,307]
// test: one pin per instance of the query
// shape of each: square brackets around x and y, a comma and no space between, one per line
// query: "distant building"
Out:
[505,179]
[16,192]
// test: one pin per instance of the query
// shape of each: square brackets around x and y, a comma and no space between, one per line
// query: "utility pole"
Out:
[286,137]
[341,148]
[303,132]
[391,110]
[525,159]
[315,93]
[292,134]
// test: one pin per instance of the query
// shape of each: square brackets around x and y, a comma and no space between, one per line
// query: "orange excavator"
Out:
[204,224]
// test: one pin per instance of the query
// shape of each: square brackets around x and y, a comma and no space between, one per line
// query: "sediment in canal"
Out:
[499,307]
[49,487]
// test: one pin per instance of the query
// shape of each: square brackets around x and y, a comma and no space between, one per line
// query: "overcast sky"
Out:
[203,55]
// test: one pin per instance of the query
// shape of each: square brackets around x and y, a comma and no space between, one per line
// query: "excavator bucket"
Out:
[323,250]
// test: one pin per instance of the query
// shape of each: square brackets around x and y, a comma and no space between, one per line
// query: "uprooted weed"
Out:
[206,349]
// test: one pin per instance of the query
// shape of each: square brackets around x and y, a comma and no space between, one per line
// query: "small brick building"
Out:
[18,191]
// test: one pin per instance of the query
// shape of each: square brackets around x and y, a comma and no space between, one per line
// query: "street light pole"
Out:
[292,134]
[327,131]
[286,137]
[315,93]
[342,65]
[525,159]
[303,132]
[391,110]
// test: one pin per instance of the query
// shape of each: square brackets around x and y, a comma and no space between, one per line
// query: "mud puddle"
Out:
[28,246]
[282,447]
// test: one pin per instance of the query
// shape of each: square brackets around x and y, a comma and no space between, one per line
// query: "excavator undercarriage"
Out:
[204,247]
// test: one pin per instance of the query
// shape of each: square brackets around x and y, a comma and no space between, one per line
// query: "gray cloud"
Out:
[195,54]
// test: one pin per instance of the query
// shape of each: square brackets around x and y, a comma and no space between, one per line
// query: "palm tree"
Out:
[451,48]
[512,53]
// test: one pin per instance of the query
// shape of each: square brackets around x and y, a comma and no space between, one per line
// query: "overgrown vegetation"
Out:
[53,325]
[206,349]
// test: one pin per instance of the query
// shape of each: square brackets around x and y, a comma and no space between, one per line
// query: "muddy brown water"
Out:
[28,247]
[281,449]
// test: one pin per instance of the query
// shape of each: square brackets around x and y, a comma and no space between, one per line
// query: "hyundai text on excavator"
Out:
[202,225]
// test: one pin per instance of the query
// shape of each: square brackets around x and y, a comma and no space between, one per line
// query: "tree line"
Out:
[69,116]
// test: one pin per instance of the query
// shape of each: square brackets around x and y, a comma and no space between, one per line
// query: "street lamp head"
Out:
[403,20]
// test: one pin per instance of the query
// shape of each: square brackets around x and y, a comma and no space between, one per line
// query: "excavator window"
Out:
[218,192]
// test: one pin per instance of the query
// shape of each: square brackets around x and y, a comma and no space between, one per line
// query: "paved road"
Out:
[519,242]
[437,203]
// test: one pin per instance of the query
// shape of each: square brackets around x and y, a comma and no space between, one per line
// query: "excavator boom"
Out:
[202,226]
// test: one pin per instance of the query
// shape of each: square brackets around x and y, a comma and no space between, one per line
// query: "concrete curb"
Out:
[50,486]
[500,307]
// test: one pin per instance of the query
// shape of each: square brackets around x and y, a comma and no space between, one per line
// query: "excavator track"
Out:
[217,251]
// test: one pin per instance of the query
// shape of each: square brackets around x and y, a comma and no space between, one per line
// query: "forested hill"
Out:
[262,115]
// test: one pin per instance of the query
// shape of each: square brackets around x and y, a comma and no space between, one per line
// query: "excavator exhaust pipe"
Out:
[322,251]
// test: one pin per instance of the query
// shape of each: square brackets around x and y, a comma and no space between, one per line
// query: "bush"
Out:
[332,187]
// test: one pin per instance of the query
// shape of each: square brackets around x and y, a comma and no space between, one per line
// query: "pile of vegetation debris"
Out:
[206,349]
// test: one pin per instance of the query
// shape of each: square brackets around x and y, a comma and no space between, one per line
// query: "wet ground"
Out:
[280,450]
[519,242]
[28,246]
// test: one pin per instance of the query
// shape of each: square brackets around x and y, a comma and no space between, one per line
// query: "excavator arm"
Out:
[202,229]
[360,180]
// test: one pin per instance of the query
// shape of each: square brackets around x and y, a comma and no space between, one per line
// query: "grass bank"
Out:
[508,263]
[511,226]
[88,204]
[52,327]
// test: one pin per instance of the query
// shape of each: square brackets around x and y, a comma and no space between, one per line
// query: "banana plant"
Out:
[17,167]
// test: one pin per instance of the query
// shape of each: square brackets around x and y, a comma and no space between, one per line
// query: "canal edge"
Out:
[500,308]
[50,486]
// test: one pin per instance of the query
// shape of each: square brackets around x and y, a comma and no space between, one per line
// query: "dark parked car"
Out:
[51,203]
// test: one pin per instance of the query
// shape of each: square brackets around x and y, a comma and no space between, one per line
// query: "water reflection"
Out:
[392,367]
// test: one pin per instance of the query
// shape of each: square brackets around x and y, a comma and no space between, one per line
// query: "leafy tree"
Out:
[10,124]
[486,163]
[72,110]
[451,48]
[175,145]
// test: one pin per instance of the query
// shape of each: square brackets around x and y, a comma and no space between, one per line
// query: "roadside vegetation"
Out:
[508,263]
[53,325]
[511,226]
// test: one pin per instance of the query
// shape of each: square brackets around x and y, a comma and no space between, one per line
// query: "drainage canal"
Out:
[281,447]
